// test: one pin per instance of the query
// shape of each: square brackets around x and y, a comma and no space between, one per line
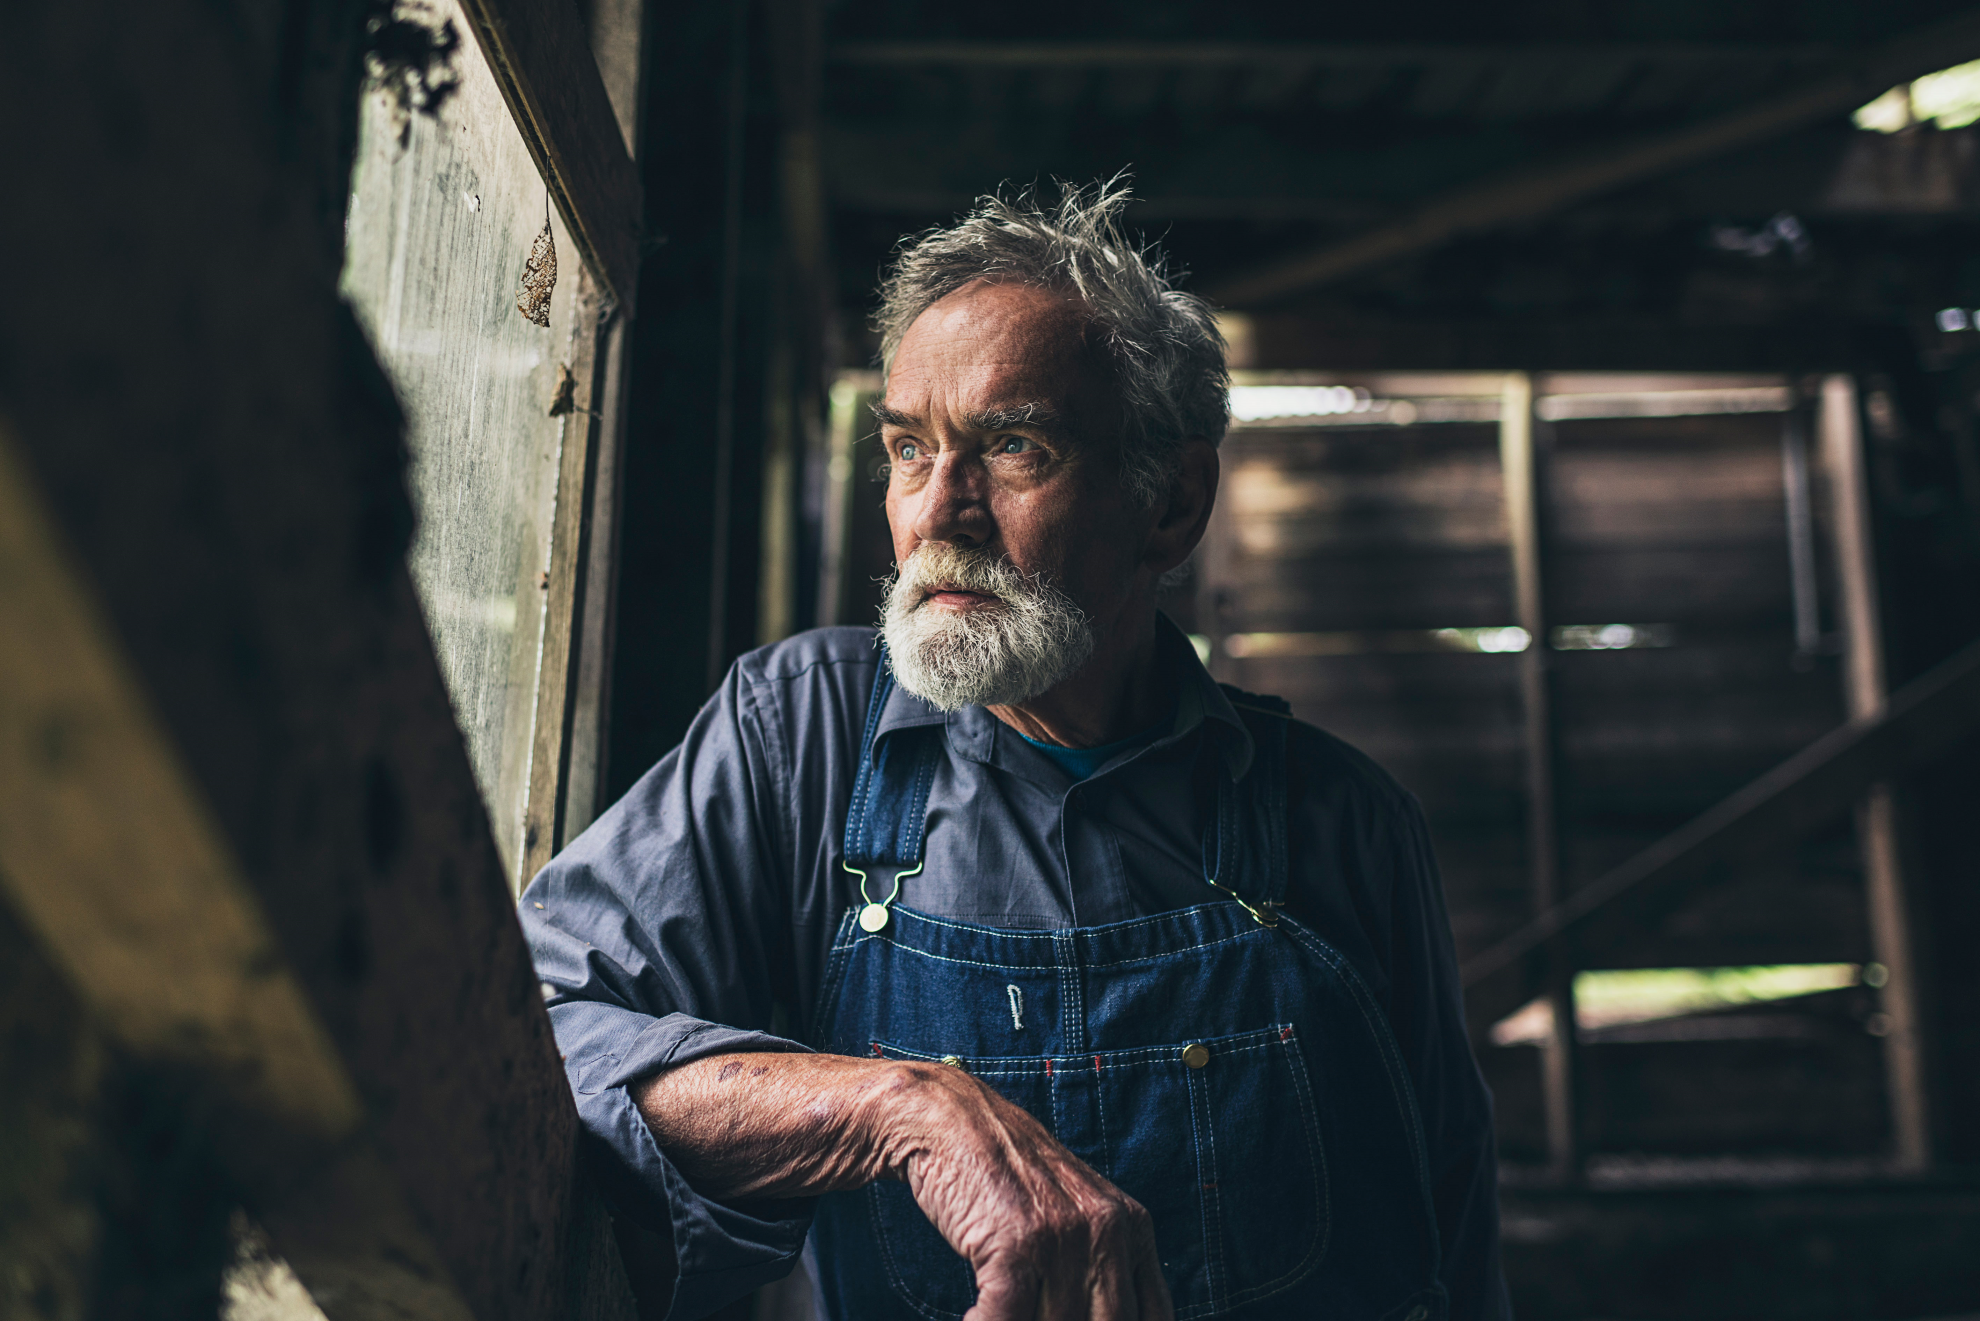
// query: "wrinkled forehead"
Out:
[989,348]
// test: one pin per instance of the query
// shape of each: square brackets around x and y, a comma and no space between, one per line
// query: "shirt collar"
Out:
[1202,701]
[972,731]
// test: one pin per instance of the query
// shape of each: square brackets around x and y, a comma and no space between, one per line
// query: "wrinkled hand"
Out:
[1047,1236]
[1049,1239]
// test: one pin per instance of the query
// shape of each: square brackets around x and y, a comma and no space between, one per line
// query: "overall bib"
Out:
[1221,1064]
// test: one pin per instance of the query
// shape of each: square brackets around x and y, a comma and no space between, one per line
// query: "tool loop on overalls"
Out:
[887,819]
[1261,912]
[873,912]
[1244,843]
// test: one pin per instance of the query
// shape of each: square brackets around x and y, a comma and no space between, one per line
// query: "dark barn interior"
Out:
[410,408]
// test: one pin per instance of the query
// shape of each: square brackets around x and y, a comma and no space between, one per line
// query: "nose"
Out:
[953,506]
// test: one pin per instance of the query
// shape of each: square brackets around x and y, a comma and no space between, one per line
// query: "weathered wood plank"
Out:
[1927,717]
[1865,685]
[241,532]
[1537,191]
[1521,459]
[542,57]
[568,585]
[144,905]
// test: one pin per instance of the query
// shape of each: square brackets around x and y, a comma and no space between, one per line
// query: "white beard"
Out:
[993,655]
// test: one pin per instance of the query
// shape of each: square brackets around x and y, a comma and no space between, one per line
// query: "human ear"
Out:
[1185,512]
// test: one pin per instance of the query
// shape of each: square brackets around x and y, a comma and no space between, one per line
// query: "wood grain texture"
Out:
[565,592]
[1926,718]
[1890,907]
[224,459]
[1535,191]
[107,848]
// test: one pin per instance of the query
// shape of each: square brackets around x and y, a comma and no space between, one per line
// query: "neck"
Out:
[1120,691]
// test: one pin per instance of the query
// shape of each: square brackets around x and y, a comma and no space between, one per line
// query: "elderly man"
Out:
[1029,970]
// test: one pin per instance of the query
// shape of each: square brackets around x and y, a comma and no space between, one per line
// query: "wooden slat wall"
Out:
[1682,522]
[1387,529]
[1402,526]
[1678,522]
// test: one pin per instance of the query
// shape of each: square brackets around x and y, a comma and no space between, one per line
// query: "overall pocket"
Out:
[1220,1140]
[1217,1137]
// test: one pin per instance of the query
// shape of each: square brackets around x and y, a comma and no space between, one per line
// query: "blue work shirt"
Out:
[695,917]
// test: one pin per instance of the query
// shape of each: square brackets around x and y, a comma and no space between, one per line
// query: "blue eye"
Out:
[1015,444]
[910,451]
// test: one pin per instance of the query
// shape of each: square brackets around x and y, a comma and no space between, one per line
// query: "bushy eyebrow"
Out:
[1033,416]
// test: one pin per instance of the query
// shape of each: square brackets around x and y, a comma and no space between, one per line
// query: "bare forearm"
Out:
[775,1125]
[1045,1234]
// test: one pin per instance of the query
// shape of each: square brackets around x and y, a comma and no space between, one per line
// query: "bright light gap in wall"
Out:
[1310,406]
[1611,999]
[1496,640]
[1949,98]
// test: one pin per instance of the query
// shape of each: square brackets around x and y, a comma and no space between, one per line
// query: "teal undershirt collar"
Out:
[1082,762]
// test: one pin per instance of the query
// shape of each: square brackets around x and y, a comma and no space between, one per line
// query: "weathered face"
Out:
[1003,430]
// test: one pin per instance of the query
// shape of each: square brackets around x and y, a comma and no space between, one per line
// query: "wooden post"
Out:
[794,438]
[727,338]
[1866,688]
[849,420]
[565,703]
[1519,469]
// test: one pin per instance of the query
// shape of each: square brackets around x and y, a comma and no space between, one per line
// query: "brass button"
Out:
[1196,1055]
[953,1061]
[872,918]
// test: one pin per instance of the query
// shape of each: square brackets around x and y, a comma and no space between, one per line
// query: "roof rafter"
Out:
[1533,191]
[1178,55]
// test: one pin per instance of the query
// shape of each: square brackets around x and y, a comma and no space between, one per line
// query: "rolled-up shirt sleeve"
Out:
[660,935]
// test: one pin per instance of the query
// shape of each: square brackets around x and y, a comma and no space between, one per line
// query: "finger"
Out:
[1066,1295]
[1004,1295]
[1111,1290]
[1150,1289]
[1112,1287]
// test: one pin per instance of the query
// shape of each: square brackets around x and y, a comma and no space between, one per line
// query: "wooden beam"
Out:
[143,905]
[1530,192]
[1865,688]
[1344,55]
[567,589]
[111,854]
[728,339]
[1924,719]
[1521,478]
[1285,340]
[795,393]
[587,744]
[264,747]
[541,56]
[618,43]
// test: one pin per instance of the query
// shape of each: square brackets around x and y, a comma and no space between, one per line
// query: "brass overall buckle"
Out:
[1265,918]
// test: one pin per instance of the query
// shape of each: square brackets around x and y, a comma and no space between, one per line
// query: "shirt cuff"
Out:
[723,1250]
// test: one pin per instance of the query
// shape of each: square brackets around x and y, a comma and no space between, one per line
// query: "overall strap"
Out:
[888,817]
[1244,847]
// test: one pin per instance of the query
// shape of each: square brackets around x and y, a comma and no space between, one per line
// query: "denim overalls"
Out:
[1222,1064]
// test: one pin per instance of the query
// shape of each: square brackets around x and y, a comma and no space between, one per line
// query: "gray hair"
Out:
[1167,352]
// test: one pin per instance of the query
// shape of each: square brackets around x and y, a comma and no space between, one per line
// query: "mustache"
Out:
[937,566]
